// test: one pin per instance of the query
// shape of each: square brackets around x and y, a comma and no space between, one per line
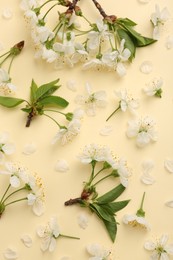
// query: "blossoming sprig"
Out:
[6,87]
[126,102]
[21,180]
[49,234]
[41,99]
[105,44]
[105,206]
[154,88]
[137,220]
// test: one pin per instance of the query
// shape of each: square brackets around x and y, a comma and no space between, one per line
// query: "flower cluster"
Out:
[109,43]
[21,180]
[6,87]
[103,166]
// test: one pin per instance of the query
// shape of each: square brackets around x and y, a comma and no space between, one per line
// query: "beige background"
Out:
[19,219]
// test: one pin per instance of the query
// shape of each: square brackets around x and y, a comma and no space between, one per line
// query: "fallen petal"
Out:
[29,148]
[147,179]
[146,67]
[83,221]
[169,165]
[105,131]
[11,253]
[27,240]
[169,203]
[7,13]
[61,166]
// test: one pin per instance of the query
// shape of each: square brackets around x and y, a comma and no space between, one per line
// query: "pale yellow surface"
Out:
[59,187]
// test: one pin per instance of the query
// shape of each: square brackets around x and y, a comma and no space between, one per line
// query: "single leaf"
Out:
[111,195]
[111,228]
[138,39]
[54,101]
[27,110]
[46,89]
[10,101]
[101,212]
[128,42]
[116,206]
[33,90]
[126,21]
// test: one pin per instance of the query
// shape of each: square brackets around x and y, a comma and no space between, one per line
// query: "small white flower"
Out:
[136,221]
[48,235]
[61,166]
[127,102]
[97,252]
[94,152]
[6,87]
[11,253]
[158,18]
[143,130]
[160,249]
[17,174]
[168,164]
[154,87]
[66,134]
[123,56]
[146,67]
[27,240]
[123,171]
[92,100]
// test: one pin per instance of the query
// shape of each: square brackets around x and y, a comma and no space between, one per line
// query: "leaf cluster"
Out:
[106,207]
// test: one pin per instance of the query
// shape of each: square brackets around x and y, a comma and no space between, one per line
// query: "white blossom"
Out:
[123,171]
[66,134]
[158,18]
[92,100]
[143,130]
[97,252]
[126,102]
[123,56]
[136,221]
[154,87]
[48,234]
[160,249]
[6,87]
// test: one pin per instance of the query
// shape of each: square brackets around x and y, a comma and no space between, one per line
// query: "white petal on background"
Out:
[7,13]
[27,240]
[65,258]
[169,165]
[146,67]
[71,84]
[144,1]
[147,179]
[61,166]
[83,220]
[169,203]
[147,165]
[105,131]
[11,253]
[169,42]
[29,148]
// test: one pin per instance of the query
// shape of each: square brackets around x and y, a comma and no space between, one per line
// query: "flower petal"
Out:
[146,67]
[149,245]
[61,166]
[169,165]
[27,240]
[11,253]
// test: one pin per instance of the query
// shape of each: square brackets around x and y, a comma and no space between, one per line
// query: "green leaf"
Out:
[10,101]
[33,90]
[111,195]
[27,110]
[138,39]
[101,212]
[111,227]
[128,42]
[126,21]
[117,206]
[54,101]
[46,90]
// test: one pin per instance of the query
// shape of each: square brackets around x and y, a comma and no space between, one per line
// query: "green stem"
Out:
[87,20]
[5,59]
[23,188]
[46,3]
[52,110]
[98,173]
[5,193]
[10,64]
[61,235]
[140,212]
[14,201]
[54,121]
[113,112]
[93,163]
[105,177]
[4,54]
[49,11]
